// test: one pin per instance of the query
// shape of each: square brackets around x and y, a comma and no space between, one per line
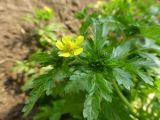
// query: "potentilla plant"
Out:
[94,70]
[108,72]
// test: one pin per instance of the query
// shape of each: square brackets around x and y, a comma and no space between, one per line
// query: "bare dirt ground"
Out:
[15,45]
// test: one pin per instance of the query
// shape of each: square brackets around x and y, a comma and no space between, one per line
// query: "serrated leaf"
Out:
[123,77]
[152,57]
[142,63]
[78,82]
[39,87]
[121,50]
[92,104]
[104,87]
[146,78]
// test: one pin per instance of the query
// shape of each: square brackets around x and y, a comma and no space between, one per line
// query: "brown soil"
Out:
[15,44]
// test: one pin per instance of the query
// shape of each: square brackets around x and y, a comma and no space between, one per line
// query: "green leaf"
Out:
[81,14]
[87,23]
[51,111]
[154,60]
[121,50]
[97,27]
[41,57]
[49,88]
[104,87]
[108,25]
[92,104]
[74,104]
[114,110]
[141,63]
[57,110]
[146,78]
[151,32]
[39,87]
[61,73]
[123,77]
[85,26]
[78,82]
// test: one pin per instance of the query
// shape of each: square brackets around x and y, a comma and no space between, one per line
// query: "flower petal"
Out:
[66,39]
[78,51]
[79,39]
[64,54]
[48,9]
[59,45]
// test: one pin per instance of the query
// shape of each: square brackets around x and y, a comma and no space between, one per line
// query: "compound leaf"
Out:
[123,77]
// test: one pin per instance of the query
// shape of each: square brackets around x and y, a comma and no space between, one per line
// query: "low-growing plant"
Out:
[108,72]
[29,70]
[46,31]
[46,26]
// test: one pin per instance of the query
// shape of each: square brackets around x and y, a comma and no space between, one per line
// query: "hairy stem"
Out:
[124,99]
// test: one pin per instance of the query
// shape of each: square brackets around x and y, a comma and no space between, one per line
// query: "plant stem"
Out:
[124,99]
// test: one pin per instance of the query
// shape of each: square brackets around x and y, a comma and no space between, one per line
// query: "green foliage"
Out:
[45,31]
[114,76]
[40,86]
[44,14]
[151,32]
[92,105]
[47,111]
[114,111]
[78,82]
[123,77]
[46,26]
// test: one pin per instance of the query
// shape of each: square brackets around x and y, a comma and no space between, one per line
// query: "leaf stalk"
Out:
[124,99]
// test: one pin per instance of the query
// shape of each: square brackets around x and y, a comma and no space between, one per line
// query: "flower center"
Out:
[69,47]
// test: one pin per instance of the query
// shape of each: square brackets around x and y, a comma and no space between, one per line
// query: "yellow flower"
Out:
[48,9]
[69,47]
